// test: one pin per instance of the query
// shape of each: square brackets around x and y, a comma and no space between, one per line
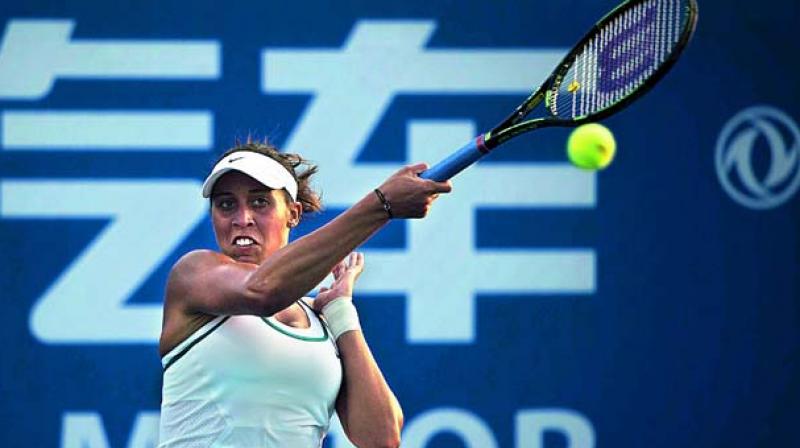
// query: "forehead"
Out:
[235,181]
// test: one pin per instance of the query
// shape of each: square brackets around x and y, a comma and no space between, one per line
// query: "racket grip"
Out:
[456,162]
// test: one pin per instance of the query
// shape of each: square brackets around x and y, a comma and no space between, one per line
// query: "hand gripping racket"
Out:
[623,56]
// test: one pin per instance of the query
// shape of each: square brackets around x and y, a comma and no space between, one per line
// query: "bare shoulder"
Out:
[195,259]
[208,282]
[186,270]
[192,264]
[178,322]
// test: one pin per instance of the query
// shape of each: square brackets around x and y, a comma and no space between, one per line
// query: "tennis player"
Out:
[248,360]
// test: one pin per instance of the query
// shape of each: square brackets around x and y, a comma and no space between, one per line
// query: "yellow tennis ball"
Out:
[591,146]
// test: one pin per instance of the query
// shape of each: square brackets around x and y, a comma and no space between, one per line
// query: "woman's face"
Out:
[250,220]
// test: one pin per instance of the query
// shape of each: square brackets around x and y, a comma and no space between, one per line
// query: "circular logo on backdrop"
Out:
[757,157]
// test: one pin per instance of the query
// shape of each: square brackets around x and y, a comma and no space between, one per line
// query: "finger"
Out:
[441,187]
[417,167]
[357,264]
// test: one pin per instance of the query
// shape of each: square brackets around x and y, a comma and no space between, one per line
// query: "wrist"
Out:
[387,206]
[341,316]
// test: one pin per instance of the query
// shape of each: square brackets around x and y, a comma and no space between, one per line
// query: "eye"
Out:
[225,204]
[260,201]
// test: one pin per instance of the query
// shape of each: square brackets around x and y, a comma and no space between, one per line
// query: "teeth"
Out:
[243,241]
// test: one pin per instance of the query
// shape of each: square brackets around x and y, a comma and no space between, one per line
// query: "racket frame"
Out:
[513,125]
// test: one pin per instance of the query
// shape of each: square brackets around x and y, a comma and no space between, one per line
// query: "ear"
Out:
[295,213]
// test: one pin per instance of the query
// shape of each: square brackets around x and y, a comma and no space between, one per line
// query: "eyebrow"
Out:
[228,193]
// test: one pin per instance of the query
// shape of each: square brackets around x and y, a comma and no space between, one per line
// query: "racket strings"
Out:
[620,58]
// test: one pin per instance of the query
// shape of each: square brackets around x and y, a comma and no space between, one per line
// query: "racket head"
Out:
[621,58]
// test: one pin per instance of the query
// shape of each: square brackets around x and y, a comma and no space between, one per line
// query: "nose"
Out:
[243,217]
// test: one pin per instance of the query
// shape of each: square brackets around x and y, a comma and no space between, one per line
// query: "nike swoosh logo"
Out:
[235,159]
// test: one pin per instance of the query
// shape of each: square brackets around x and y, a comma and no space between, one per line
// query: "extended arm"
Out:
[215,284]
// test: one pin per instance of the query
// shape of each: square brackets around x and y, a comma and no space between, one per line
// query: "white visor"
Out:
[260,167]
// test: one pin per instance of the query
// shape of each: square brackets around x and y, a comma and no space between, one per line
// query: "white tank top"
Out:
[248,381]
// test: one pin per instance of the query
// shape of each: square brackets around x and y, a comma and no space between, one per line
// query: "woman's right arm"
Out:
[213,283]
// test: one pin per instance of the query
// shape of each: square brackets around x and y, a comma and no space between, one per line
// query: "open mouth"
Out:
[243,241]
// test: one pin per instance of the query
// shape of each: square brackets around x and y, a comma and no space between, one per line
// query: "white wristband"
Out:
[341,315]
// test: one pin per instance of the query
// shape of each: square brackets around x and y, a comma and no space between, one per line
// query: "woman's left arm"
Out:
[370,413]
[368,410]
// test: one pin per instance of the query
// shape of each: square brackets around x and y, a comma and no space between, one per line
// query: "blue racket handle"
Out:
[457,161]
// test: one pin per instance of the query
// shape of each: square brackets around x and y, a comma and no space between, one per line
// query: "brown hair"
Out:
[300,168]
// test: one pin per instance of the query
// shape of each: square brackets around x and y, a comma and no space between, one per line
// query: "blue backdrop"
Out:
[653,304]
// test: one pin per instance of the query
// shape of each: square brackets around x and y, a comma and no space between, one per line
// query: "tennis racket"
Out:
[622,57]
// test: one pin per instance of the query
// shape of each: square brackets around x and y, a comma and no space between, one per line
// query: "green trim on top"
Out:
[324,336]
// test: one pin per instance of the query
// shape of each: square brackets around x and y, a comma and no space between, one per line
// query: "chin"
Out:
[245,258]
